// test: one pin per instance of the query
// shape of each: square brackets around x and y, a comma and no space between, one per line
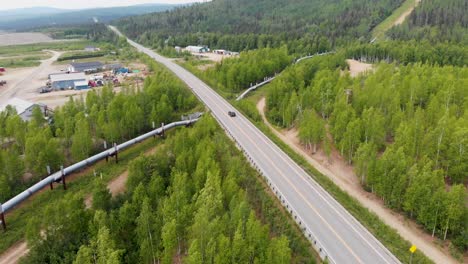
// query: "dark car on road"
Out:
[232,114]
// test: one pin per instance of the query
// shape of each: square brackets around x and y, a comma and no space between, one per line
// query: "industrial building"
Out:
[24,108]
[197,49]
[66,81]
[86,67]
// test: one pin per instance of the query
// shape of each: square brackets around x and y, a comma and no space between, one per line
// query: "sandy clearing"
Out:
[213,56]
[357,67]
[117,185]
[403,16]
[14,253]
[342,174]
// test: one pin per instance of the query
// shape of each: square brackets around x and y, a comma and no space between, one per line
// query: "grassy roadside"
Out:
[29,61]
[18,219]
[388,236]
[379,31]
[19,50]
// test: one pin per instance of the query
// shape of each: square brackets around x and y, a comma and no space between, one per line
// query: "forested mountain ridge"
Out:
[247,23]
[436,21]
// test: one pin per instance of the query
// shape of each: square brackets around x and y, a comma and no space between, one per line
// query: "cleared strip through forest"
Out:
[396,18]
[61,175]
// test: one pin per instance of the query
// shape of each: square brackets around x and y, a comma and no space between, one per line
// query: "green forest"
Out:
[235,74]
[243,24]
[436,21]
[195,200]
[405,129]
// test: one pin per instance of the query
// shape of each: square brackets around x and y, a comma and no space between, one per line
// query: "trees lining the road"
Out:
[237,74]
[403,127]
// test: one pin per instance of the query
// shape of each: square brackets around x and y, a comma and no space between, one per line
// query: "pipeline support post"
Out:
[48,174]
[116,153]
[105,148]
[162,130]
[2,217]
[63,178]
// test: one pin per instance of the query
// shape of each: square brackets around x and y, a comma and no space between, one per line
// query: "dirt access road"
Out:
[405,14]
[342,174]
[14,253]
[23,83]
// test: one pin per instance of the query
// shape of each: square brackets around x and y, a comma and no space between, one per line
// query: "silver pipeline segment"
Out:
[270,79]
[57,176]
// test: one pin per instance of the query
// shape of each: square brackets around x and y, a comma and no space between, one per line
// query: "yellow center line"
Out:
[188,75]
[314,187]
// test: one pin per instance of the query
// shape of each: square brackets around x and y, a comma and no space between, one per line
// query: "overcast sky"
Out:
[80,4]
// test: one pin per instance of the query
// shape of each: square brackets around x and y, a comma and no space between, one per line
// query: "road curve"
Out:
[335,233]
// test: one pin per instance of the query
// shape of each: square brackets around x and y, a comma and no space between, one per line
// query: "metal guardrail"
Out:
[61,175]
[308,232]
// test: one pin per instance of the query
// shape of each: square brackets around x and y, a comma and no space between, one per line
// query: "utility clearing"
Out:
[357,67]
[397,18]
[117,185]
[342,174]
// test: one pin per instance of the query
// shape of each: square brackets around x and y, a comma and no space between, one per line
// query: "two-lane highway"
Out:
[335,233]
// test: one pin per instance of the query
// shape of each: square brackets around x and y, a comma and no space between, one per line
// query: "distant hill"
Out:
[238,23]
[24,19]
[8,16]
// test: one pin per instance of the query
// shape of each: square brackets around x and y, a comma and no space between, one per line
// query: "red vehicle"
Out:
[2,69]
[92,84]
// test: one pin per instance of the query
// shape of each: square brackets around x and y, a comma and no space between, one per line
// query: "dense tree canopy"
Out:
[188,203]
[436,21]
[403,127]
[245,24]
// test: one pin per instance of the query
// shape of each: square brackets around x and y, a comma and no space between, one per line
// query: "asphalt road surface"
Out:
[330,228]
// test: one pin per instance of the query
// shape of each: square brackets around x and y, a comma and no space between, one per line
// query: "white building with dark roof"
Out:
[197,49]
[23,108]
[86,67]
